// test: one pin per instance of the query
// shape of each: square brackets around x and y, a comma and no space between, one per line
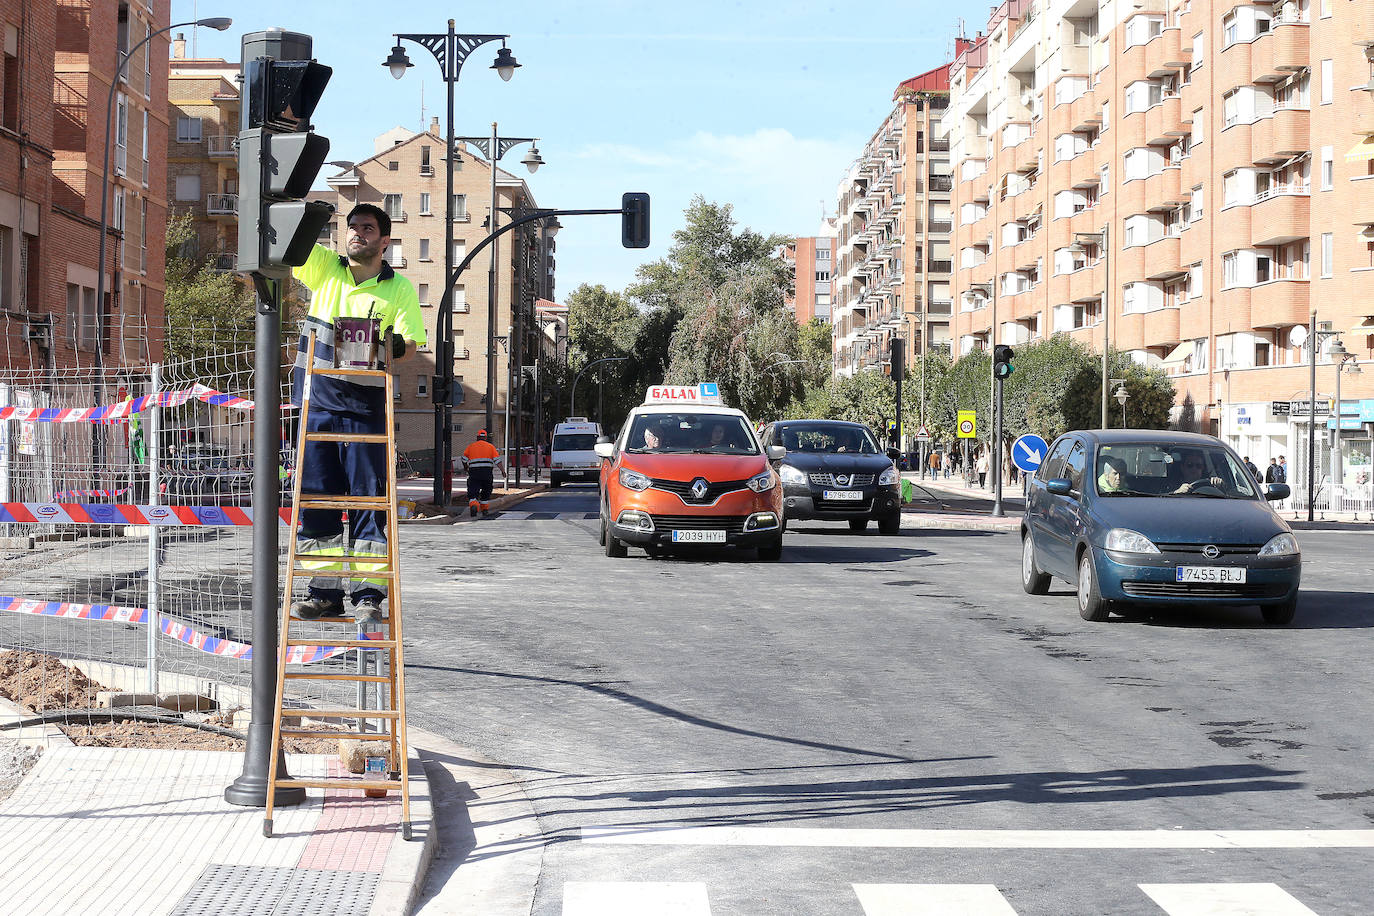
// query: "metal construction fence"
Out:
[125,525]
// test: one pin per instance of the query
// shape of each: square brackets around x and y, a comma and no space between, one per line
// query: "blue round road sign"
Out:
[1028,452]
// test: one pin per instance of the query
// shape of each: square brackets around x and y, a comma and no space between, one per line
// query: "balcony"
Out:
[1085,112]
[222,146]
[941,184]
[1362,202]
[940,266]
[398,261]
[1163,55]
[400,216]
[1164,122]
[1129,265]
[1083,170]
[1280,216]
[222,204]
[1291,133]
[427,171]
[975,147]
[940,226]
[1280,303]
[224,263]
[1164,189]
[1086,284]
[1128,332]
[1160,328]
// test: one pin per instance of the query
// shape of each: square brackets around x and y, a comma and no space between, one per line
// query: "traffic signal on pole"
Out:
[634,219]
[279,158]
[1001,361]
[897,356]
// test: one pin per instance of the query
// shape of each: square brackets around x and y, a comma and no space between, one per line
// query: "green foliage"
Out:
[210,314]
[602,325]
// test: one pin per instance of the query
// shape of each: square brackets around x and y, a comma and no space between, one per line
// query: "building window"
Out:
[395,254]
[1328,254]
[188,187]
[822,276]
[425,167]
[391,203]
[421,386]
[424,249]
[1230,270]
[460,207]
[1328,155]
[422,293]
[189,130]
[460,250]
[424,203]
[9,102]
[81,316]
[1328,79]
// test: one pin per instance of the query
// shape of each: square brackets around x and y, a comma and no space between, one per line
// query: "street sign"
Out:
[1028,452]
[922,435]
[968,424]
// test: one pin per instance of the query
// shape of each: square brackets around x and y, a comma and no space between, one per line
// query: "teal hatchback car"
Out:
[1153,517]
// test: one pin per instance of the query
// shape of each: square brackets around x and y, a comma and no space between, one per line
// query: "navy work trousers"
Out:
[343,469]
[479,484]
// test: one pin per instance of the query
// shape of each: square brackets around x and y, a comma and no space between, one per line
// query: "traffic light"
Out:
[1001,361]
[634,219]
[279,155]
[897,355]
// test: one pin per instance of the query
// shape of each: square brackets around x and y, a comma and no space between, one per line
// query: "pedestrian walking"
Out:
[1282,475]
[982,468]
[1271,472]
[1250,466]
[479,460]
[357,285]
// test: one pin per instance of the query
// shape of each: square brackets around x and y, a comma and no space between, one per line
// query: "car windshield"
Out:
[1171,471]
[688,433]
[839,438]
[574,442]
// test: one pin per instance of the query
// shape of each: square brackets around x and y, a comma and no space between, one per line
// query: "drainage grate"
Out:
[250,890]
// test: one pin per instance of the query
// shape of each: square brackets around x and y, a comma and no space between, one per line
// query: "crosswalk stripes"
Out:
[636,898]
[507,515]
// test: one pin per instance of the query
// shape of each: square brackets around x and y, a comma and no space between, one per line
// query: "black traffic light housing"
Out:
[1001,361]
[897,357]
[634,219]
[279,159]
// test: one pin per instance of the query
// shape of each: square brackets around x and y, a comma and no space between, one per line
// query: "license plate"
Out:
[577,473]
[843,494]
[698,537]
[1210,574]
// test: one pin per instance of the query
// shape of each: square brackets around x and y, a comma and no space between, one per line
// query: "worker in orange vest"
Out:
[479,459]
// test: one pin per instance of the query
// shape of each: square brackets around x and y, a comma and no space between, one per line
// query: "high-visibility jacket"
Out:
[480,454]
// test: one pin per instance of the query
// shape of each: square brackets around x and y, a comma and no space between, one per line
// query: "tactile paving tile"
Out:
[248,890]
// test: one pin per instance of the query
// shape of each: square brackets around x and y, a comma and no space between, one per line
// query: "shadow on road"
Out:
[1317,610]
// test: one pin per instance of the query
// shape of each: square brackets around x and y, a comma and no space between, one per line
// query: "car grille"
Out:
[1203,590]
[683,488]
[734,523]
[828,480]
[1226,549]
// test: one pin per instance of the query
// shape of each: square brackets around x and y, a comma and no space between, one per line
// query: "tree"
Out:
[602,325]
[210,314]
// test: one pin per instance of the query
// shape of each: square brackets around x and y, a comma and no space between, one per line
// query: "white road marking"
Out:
[635,898]
[1225,900]
[980,839]
[932,900]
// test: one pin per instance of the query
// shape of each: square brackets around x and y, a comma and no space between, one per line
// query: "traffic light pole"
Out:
[997,449]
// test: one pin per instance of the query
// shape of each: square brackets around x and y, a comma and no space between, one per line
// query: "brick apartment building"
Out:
[1200,170]
[813,260]
[203,115]
[60,61]
[405,176]
[892,261]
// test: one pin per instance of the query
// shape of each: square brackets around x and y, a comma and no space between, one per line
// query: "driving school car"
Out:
[688,471]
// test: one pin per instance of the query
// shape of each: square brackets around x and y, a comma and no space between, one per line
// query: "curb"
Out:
[452,515]
[943,522]
[407,862]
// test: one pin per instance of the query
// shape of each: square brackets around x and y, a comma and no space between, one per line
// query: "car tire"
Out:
[1091,605]
[1033,580]
[892,524]
[858,524]
[612,545]
[1280,614]
[601,532]
[555,482]
[771,553]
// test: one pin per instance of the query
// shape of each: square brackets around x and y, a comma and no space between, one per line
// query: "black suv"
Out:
[834,471]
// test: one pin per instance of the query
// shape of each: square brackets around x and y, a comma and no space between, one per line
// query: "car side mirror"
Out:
[776,452]
[601,439]
[1277,491]
[605,449]
[893,454]
[1059,486]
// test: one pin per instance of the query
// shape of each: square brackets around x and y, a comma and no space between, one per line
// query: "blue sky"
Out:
[756,104]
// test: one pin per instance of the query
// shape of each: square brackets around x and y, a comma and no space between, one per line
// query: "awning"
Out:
[1178,354]
[1364,327]
[1362,151]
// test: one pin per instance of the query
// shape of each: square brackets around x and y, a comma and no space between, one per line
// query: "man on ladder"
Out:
[359,284]
[479,460]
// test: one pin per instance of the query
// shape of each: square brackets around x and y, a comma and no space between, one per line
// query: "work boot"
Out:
[472,510]
[314,608]
[367,610]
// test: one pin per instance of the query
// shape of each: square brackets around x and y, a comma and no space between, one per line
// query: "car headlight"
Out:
[1281,545]
[888,477]
[633,480]
[791,475]
[1128,541]
[762,483]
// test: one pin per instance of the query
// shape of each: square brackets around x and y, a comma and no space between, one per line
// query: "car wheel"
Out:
[1032,579]
[1280,614]
[1091,606]
[858,524]
[611,544]
[601,532]
[771,553]
[555,482]
[890,525]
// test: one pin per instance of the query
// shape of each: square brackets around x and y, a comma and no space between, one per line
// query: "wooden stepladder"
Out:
[390,668]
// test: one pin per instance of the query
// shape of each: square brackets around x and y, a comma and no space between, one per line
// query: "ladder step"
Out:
[372,503]
[315,733]
[342,783]
[352,714]
[346,643]
[346,573]
[386,620]
[368,678]
[373,373]
[378,438]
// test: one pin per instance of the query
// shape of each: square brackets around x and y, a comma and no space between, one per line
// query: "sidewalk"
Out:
[930,509]
[421,491]
[142,832]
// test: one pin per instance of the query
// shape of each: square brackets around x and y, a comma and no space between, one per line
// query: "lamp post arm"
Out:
[572,398]
[493,236]
[437,43]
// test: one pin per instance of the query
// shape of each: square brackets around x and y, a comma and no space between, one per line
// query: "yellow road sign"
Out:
[968,424]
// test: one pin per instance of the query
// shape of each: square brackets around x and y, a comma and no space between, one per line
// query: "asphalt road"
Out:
[891,685]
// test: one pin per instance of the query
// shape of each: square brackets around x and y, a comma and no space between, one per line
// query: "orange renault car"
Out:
[688,471]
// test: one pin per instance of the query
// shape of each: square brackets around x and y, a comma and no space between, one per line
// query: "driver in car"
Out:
[1194,474]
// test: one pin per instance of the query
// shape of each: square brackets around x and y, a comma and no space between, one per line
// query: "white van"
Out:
[573,457]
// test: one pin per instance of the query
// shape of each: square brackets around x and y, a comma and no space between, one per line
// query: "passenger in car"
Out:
[1112,478]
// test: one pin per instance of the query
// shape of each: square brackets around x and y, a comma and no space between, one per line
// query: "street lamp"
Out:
[572,396]
[1103,240]
[1122,396]
[451,50]
[219,23]
[1341,357]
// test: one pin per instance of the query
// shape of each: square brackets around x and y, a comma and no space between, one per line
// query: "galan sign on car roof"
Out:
[705,393]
